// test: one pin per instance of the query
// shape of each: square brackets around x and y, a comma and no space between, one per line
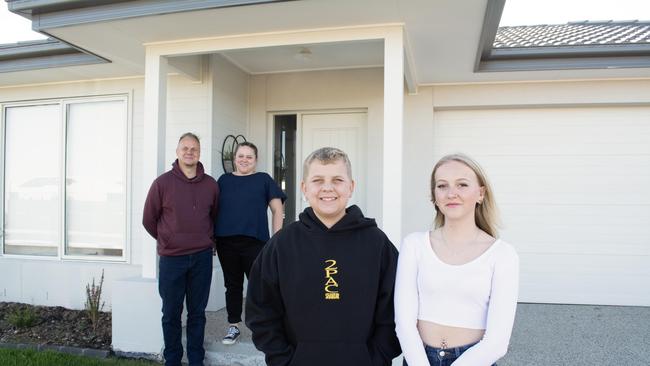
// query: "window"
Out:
[65,167]
[284,162]
[32,194]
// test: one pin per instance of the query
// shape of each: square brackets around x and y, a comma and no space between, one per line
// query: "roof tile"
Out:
[574,34]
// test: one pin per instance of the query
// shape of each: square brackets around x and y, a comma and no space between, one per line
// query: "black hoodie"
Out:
[319,296]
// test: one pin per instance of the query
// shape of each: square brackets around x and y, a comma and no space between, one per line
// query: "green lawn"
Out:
[13,357]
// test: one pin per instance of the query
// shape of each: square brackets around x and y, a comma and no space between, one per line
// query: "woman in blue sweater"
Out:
[241,227]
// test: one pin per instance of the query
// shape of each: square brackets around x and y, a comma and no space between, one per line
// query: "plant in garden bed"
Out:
[55,325]
[94,303]
[22,318]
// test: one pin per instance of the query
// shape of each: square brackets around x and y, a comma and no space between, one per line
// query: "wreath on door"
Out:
[228,149]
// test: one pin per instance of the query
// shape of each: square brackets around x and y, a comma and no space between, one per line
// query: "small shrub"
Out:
[94,303]
[22,318]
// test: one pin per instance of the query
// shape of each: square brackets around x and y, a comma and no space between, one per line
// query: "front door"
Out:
[346,131]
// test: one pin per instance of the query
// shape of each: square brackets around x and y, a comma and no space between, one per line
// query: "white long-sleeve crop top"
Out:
[481,294]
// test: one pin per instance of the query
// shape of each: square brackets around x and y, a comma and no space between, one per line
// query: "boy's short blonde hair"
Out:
[327,155]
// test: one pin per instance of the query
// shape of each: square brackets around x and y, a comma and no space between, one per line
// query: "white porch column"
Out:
[155,109]
[393,122]
[136,304]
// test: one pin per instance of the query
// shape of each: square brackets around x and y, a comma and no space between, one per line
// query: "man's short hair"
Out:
[191,135]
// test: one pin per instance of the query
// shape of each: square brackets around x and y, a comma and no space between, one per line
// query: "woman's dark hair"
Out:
[248,144]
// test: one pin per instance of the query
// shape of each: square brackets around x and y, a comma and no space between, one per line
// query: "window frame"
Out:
[63,104]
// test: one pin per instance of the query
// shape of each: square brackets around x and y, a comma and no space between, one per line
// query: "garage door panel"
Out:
[597,223]
[581,131]
[627,116]
[539,148]
[588,166]
[632,217]
[567,180]
[545,245]
[581,279]
[537,145]
[573,185]
[545,190]
[588,130]
[565,240]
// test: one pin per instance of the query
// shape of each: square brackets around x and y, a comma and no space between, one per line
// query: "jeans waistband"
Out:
[450,352]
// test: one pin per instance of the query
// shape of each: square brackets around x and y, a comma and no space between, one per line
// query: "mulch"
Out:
[55,325]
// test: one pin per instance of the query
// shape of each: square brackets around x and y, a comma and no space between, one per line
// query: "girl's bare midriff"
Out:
[434,334]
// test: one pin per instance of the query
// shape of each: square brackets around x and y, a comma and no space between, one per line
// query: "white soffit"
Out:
[309,57]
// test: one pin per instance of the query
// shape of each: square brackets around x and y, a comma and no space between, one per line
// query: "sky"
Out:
[14,28]
[533,12]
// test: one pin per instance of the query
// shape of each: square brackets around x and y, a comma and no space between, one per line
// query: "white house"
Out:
[91,116]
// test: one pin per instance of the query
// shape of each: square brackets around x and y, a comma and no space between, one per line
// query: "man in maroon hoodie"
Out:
[179,213]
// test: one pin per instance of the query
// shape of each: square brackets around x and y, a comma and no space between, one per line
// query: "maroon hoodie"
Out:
[179,212]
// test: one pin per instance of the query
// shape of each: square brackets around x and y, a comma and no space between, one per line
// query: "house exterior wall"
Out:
[52,281]
[228,113]
[419,114]
[356,89]
[418,161]
[230,94]
[210,107]
[229,101]
[189,106]
[564,93]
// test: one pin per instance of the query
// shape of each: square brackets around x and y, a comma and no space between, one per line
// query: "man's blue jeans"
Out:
[184,277]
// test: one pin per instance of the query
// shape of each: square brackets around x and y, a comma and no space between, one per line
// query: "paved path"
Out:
[580,335]
[544,335]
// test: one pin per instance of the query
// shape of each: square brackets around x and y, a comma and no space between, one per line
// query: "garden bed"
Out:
[54,325]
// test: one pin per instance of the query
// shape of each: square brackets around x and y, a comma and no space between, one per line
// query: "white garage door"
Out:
[573,186]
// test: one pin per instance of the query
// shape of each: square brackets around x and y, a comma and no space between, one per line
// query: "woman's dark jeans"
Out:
[236,255]
[450,355]
[184,278]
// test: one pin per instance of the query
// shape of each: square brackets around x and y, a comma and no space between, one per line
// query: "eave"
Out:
[61,13]
[42,55]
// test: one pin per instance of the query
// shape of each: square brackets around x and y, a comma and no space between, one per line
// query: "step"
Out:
[241,353]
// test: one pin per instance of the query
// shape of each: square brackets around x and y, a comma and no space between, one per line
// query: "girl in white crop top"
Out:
[456,286]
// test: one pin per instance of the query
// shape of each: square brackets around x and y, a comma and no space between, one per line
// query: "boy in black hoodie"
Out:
[321,291]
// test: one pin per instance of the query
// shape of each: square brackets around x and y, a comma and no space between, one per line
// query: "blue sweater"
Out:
[243,204]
